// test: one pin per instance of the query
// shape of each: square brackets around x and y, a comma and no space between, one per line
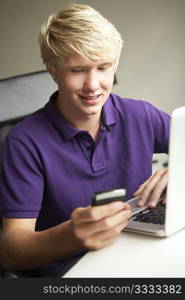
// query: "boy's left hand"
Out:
[153,189]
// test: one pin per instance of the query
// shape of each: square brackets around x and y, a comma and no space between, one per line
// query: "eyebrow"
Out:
[106,63]
[82,66]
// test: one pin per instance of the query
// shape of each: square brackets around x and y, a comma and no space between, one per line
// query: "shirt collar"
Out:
[109,112]
[61,125]
[64,128]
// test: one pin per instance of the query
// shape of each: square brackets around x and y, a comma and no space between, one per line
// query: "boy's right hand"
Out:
[96,227]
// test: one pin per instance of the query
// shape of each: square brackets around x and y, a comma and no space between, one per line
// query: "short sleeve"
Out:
[160,122]
[22,184]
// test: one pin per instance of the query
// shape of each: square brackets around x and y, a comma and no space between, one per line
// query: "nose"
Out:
[91,82]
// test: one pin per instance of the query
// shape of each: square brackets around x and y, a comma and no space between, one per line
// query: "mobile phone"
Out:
[108,196]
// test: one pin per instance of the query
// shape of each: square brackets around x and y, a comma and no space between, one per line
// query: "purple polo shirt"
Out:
[50,168]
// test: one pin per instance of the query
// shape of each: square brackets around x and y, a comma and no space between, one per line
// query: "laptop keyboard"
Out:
[154,215]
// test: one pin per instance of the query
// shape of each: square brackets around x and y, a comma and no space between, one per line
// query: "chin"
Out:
[93,111]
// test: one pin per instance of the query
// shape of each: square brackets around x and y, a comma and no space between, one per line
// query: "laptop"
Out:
[164,221]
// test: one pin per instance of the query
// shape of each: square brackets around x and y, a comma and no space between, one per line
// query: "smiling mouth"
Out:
[89,98]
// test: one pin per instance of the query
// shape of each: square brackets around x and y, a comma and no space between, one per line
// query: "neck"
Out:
[92,127]
[90,123]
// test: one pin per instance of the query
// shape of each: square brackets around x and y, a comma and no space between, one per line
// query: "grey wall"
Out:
[20,22]
[152,65]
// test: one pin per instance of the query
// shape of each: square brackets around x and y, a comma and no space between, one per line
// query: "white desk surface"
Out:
[134,255]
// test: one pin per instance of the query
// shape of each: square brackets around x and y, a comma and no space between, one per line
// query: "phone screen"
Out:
[108,196]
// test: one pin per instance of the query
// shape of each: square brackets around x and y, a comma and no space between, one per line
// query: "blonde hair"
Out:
[82,29]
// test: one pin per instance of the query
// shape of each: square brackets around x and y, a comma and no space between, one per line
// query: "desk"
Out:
[134,255]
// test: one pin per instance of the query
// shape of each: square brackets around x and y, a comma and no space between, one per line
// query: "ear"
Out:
[53,73]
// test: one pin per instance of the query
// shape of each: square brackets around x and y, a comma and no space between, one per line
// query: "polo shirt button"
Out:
[90,148]
[98,166]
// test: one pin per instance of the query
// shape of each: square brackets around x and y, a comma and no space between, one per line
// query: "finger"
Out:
[102,238]
[150,186]
[158,191]
[113,232]
[111,222]
[85,230]
[95,213]
[141,188]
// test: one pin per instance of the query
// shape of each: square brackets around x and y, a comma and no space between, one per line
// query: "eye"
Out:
[76,71]
[102,68]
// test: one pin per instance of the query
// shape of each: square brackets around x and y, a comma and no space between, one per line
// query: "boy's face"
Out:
[84,85]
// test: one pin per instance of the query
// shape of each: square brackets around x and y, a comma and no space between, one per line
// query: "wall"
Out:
[152,65]
[20,22]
